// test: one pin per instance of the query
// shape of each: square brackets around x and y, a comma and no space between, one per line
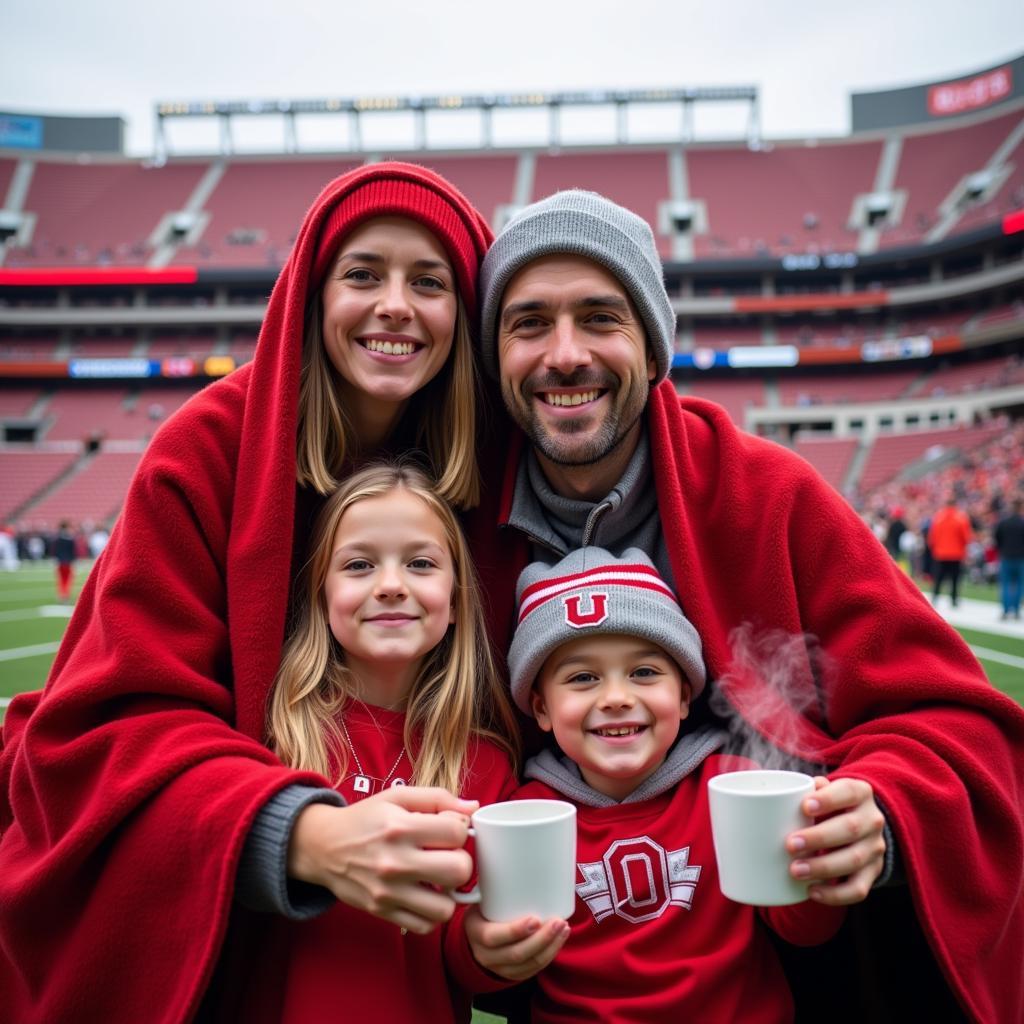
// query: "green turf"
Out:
[1009,678]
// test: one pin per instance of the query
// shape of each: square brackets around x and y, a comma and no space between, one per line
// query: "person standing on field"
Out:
[948,537]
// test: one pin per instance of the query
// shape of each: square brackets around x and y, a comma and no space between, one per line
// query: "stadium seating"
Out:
[94,493]
[830,456]
[637,180]
[723,336]
[26,472]
[487,181]
[83,415]
[802,201]
[892,453]
[933,163]
[844,389]
[193,345]
[733,395]
[28,348]
[978,376]
[17,403]
[255,210]
[96,214]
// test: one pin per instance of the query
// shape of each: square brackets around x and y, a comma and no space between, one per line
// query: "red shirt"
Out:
[653,938]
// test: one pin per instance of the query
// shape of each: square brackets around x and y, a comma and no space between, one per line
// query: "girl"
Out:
[130,787]
[386,680]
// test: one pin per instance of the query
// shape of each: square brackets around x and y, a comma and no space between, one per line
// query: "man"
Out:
[948,537]
[817,642]
[1009,538]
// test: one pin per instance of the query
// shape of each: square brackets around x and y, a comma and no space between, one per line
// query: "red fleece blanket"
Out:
[760,544]
[127,788]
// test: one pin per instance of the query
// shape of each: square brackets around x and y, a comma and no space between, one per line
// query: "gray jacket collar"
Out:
[689,753]
[564,524]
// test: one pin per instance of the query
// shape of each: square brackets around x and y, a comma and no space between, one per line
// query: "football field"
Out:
[32,623]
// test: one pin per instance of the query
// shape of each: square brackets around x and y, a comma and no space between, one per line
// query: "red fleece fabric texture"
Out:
[128,786]
[758,540]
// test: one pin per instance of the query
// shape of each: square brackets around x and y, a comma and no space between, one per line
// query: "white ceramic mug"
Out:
[525,859]
[752,812]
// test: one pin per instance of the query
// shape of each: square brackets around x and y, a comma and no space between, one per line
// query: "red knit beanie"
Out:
[407,190]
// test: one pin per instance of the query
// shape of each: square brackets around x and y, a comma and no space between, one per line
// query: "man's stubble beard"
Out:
[617,426]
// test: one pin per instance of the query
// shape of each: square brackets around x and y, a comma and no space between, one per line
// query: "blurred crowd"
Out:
[983,484]
[34,542]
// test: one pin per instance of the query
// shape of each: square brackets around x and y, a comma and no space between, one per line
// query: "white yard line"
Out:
[16,653]
[984,654]
[46,611]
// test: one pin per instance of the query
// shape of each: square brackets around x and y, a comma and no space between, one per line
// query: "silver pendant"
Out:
[361,784]
[397,782]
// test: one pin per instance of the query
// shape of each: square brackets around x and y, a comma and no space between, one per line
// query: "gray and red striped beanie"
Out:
[591,592]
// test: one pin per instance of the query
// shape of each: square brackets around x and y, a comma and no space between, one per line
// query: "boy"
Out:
[605,660]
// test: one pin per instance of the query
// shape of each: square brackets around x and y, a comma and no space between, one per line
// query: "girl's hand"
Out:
[515,950]
[389,854]
[844,849]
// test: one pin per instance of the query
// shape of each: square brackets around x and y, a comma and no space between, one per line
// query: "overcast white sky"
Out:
[806,56]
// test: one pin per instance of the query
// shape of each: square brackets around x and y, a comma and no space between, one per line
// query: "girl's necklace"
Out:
[363,783]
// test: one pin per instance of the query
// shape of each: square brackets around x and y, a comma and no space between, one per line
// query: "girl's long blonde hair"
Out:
[444,409]
[457,694]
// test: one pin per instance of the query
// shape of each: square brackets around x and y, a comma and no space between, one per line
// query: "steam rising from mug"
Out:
[776,682]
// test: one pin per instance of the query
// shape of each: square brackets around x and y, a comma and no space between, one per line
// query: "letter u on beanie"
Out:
[591,592]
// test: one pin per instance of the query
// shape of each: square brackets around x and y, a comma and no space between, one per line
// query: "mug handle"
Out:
[470,896]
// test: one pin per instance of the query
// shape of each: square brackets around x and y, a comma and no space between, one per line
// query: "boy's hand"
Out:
[514,950]
[845,848]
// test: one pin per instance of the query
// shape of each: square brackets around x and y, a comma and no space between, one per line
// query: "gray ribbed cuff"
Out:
[262,882]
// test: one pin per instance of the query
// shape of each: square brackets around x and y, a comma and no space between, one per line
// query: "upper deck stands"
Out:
[733,395]
[28,348]
[820,390]
[488,182]
[637,180]
[94,494]
[82,415]
[892,453]
[255,210]
[18,403]
[723,336]
[830,456]
[979,376]
[932,164]
[7,168]
[27,472]
[172,344]
[1008,196]
[96,214]
[789,198]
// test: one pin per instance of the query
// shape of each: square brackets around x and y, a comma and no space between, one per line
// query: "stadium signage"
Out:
[970,94]
[743,356]
[812,261]
[917,347]
[218,366]
[21,131]
[113,368]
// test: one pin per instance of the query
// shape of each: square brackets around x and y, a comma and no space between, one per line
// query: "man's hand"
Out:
[843,852]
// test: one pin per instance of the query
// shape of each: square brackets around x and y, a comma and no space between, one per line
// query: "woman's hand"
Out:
[386,854]
[515,950]
[844,851]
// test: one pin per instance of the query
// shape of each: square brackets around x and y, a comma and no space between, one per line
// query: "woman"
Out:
[133,783]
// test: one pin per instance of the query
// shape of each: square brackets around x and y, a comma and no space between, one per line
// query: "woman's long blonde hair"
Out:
[457,694]
[444,411]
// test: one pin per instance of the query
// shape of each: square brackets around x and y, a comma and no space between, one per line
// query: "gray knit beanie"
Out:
[591,592]
[581,224]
